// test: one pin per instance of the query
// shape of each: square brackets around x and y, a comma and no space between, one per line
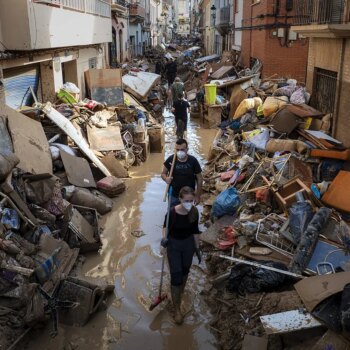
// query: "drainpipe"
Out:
[339,88]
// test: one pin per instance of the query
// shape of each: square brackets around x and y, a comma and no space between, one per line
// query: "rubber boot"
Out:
[176,294]
[183,285]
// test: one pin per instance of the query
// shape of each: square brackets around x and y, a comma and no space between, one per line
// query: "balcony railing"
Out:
[224,16]
[319,12]
[120,2]
[95,7]
[137,10]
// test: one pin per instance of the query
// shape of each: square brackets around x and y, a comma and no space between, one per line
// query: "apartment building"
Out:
[327,25]
[182,17]
[45,43]
[267,36]
[119,48]
[139,26]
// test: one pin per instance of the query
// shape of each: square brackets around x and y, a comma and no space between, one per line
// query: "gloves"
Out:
[199,255]
[164,242]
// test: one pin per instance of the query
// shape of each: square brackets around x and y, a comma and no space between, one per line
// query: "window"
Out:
[92,63]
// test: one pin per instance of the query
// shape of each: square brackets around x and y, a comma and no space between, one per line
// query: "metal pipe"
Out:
[251,263]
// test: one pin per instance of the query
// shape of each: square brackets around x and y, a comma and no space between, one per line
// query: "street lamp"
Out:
[213,15]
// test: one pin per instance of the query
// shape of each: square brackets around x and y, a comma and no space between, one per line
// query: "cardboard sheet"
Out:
[105,139]
[105,85]
[315,289]
[78,170]
[254,343]
[140,84]
[337,195]
[222,72]
[29,142]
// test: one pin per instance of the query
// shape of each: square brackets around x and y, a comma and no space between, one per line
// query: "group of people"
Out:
[181,232]
[176,101]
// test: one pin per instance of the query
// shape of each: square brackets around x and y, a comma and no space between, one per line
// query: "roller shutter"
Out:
[16,85]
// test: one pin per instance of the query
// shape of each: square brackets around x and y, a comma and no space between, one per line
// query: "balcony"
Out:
[137,13]
[48,24]
[222,20]
[224,17]
[119,5]
[321,18]
[95,7]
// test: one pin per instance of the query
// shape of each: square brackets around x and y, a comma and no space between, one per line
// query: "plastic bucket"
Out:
[210,93]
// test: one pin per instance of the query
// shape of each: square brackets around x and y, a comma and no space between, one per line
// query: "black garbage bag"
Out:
[247,279]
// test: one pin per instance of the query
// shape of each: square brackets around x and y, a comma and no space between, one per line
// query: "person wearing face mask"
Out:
[187,172]
[181,242]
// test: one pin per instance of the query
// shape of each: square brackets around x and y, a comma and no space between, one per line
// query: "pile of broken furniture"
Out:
[277,209]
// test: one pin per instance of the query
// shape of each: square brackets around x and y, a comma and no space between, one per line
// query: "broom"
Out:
[161,297]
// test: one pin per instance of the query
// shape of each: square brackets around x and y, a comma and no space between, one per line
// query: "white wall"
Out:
[38,26]
[83,65]
[238,23]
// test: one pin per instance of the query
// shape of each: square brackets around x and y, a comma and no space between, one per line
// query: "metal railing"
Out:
[95,7]
[120,2]
[319,12]
[224,17]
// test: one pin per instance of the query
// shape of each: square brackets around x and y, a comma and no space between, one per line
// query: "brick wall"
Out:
[277,58]
[342,126]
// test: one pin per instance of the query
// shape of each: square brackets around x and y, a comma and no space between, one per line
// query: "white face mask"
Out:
[187,205]
[181,154]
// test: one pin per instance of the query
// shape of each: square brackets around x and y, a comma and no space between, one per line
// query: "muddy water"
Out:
[134,266]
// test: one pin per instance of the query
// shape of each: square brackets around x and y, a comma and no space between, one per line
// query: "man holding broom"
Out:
[186,171]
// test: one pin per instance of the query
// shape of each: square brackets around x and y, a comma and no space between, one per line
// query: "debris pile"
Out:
[61,165]
[277,211]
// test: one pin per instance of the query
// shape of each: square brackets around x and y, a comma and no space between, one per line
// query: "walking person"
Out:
[181,241]
[171,71]
[180,110]
[187,172]
[177,88]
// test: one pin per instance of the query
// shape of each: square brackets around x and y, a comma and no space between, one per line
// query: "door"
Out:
[121,58]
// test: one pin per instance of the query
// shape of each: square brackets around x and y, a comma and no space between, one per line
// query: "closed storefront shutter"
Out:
[16,85]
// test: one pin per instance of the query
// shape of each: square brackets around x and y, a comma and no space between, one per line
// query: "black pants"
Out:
[180,256]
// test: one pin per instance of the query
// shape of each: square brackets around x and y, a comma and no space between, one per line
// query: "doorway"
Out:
[121,58]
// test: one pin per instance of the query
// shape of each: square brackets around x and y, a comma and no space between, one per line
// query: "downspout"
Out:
[339,88]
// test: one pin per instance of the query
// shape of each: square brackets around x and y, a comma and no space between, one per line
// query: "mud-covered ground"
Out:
[134,266]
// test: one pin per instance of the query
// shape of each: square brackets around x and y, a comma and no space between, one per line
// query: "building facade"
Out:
[327,25]
[139,26]
[268,37]
[54,42]
[119,48]
[182,18]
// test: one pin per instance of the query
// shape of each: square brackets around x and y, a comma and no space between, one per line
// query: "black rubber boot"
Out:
[176,293]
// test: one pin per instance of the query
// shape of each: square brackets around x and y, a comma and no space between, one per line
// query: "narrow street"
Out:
[134,264]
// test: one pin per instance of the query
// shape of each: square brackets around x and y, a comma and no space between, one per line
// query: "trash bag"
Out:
[247,279]
[299,97]
[300,215]
[226,203]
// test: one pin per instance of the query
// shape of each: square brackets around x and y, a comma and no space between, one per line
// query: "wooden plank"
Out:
[222,72]
[105,139]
